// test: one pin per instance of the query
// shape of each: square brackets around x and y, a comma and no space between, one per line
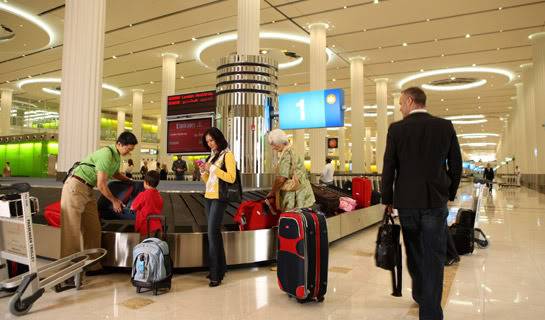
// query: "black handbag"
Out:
[230,192]
[388,251]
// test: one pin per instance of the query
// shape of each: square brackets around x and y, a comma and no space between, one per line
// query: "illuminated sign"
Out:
[312,109]
[184,136]
[189,103]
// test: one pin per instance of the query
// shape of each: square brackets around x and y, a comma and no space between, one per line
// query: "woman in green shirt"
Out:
[291,186]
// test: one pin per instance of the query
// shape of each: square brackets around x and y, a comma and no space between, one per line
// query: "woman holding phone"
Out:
[220,165]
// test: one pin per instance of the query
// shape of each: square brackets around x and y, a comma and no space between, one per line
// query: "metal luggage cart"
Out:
[31,285]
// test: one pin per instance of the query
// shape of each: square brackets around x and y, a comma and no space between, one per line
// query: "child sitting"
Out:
[147,203]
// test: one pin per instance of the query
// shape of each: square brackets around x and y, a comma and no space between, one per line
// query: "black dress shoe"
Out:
[214,283]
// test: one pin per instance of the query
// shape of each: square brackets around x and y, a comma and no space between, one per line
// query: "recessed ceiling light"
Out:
[182,77]
[375,1]
[151,101]
[446,109]
[218,33]
[479,107]
[479,97]
[468,35]
[474,65]
[442,100]
[435,40]
[194,39]
[379,48]
[295,84]
[364,30]
[7,81]
[130,24]
[345,7]
[23,55]
[405,44]
[500,8]
[274,21]
[114,57]
[428,20]
[497,48]
[452,78]
[392,61]
[172,43]
[333,79]
[442,54]
[332,46]
[151,82]
[264,51]
[501,30]
[421,70]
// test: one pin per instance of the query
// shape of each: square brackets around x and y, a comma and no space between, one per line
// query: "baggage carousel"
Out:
[186,224]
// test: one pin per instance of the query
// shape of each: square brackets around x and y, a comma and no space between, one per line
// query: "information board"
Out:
[184,136]
[312,109]
[190,103]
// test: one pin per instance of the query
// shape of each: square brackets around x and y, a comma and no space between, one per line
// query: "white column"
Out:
[382,120]
[397,111]
[248,20]
[81,95]
[318,81]
[120,122]
[538,46]
[167,89]
[357,101]
[368,150]
[137,109]
[530,111]
[522,158]
[342,149]
[5,110]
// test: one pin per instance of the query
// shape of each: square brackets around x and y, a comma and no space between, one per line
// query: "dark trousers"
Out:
[180,176]
[215,210]
[425,238]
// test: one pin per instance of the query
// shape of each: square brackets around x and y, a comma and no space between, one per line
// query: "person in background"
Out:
[421,173]
[196,171]
[7,170]
[289,166]
[147,203]
[144,168]
[489,176]
[164,173]
[79,213]
[158,166]
[179,167]
[220,165]
[129,169]
[517,175]
[327,174]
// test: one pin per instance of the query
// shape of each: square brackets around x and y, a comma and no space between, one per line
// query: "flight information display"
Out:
[184,136]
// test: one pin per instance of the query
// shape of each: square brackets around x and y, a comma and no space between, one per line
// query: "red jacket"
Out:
[146,203]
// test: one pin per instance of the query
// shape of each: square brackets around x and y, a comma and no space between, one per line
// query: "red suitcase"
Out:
[255,215]
[303,253]
[361,191]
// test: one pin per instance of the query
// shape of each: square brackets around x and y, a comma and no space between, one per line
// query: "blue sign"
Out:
[311,109]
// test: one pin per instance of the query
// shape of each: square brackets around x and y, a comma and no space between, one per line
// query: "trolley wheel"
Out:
[320,299]
[138,289]
[301,300]
[18,307]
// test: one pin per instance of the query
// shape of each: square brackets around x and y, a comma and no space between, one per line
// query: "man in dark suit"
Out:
[422,171]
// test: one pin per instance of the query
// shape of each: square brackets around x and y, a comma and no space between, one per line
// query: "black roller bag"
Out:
[462,231]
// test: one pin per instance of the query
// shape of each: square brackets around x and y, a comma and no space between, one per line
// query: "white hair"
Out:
[277,137]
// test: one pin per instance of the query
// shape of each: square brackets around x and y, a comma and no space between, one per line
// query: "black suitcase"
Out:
[462,231]
[347,186]
[303,253]
[375,197]
[327,199]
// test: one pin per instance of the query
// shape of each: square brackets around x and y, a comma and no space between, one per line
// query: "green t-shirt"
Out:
[105,159]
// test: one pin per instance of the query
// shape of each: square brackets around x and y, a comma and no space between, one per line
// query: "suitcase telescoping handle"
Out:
[161,219]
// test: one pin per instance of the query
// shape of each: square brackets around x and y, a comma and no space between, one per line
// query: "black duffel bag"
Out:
[388,251]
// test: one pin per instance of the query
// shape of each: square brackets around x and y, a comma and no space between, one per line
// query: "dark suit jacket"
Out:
[489,174]
[422,163]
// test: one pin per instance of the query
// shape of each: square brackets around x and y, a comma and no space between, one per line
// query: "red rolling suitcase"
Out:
[303,253]
[255,215]
[361,191]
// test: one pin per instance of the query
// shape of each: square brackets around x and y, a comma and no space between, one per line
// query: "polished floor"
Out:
[504,281]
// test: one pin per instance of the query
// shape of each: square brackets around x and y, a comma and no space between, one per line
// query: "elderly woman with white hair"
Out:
[291,186]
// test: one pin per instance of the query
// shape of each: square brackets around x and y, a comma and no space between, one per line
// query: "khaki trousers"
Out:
[80,224]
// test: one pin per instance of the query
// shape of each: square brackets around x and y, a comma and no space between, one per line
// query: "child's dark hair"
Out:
[152,177]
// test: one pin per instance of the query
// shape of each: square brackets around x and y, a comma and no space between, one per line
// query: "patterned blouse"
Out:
[301,198]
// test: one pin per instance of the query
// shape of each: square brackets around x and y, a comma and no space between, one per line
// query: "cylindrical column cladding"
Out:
[359,153]
[81,94]
[397,111]
[318,81]
[538,46]
[248,20]
[167,89]
[520,111]
[342,149]
[5,110]
[246,109]
[137,110]
[368,150]
[120,122]
[528,79]
[382,120]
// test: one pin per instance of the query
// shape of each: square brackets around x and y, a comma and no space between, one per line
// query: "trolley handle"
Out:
[17,187]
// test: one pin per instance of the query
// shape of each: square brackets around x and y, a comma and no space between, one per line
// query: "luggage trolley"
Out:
[31,285]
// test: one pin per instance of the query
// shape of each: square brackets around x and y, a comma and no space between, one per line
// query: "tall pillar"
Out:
[357,100]
[81,95]
[137,107]
[397,111]
[5,110]
[382,120]
[522,158]
[342,149]
[368,151]
[318,81]
[538,46]
[167,89]
[120,122]
[248,20]
[530,112]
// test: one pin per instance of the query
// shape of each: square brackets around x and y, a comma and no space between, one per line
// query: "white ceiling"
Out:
[498,39]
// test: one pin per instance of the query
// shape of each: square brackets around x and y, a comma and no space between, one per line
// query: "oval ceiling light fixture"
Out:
[466,117]
[52,91]
[432,73]
[31,18]
[465,86]
[477,135]
[469,121]
[373,114]
[371,107]
[478,144]
[23,83]
[262,35]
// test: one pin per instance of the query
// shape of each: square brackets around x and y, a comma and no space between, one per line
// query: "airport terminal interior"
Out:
[75,74]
